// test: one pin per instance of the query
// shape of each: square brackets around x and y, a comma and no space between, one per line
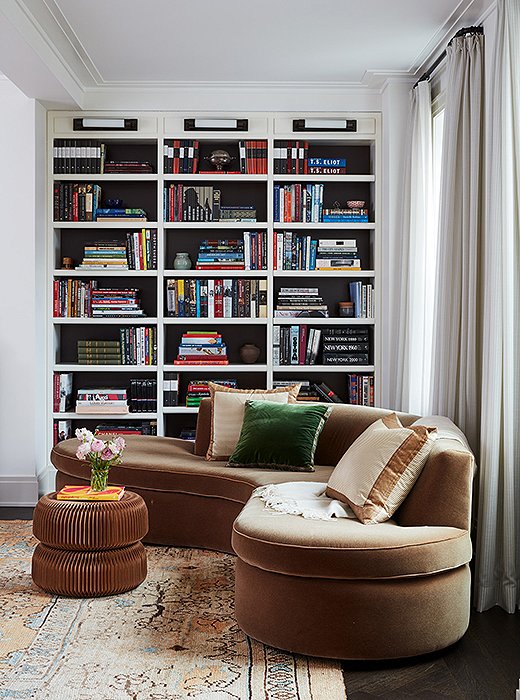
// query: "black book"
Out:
[326,393]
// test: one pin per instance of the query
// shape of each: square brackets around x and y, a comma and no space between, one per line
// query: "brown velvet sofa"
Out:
[338,588]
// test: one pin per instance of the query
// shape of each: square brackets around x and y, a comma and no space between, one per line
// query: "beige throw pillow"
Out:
[378,470]
[227,414]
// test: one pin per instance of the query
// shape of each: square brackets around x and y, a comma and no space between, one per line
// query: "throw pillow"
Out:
[227,414]
[378,470]
[279,436]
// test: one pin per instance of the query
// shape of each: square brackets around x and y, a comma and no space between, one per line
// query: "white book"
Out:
[211,298]
[247,250]
[228,298]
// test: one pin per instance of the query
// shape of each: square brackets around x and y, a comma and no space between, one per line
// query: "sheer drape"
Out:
[456,356]
[498,542]
[416,278]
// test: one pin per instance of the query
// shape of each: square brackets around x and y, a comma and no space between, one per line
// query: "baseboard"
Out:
[18,491]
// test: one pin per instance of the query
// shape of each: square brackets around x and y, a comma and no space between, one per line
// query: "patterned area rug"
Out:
[173,637]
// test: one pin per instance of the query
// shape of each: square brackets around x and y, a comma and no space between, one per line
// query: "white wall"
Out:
[18,347]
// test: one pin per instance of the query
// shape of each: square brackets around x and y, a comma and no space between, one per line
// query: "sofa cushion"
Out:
[279,436]
[343,548]
[169,464]
[227,414]
[377,472]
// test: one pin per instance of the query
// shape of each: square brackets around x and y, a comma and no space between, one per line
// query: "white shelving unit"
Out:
[153,130]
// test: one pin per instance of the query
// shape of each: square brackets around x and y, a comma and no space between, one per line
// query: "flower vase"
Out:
[99,477]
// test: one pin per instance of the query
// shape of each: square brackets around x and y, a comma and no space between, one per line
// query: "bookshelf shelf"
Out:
[361,151]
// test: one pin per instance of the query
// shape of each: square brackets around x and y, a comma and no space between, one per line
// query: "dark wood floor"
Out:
[484,664]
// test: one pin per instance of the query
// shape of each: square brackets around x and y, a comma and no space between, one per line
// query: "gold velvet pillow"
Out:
[227,414]
[378,470]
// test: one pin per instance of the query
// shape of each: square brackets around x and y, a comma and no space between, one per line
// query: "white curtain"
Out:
[498,541]
[411,386]
[456,355]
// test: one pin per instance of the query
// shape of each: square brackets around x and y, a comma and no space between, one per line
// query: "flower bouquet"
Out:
[101,454]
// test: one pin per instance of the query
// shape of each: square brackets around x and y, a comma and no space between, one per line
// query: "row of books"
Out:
[292,158]
[248,253]
[311,391]
[170,389]
[138,345]
[76,201]
[202,348]
[62,429]
[216,298]
[143,395]
[298,203]
[202,203]
[74,298]
[363,298]
[295,345]
[360,388]
[71,156]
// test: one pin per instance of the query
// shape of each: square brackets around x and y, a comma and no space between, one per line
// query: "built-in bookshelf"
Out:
[285,231]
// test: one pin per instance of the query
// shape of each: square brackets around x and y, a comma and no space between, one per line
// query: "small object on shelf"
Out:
[182,261]
[356,203]
[220,158]
[346,309]
[67,264]
[249,353]
[202,348]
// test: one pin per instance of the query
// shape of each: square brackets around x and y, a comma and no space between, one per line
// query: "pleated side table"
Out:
[89,548]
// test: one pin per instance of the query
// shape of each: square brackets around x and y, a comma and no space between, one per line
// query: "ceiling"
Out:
[106,45]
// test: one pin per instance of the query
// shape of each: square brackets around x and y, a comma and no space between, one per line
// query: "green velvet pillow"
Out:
[279,436]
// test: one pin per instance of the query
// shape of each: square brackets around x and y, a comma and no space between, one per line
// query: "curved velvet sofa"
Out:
[338,589]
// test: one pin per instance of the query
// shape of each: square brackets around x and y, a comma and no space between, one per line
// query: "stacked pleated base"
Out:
[89,548]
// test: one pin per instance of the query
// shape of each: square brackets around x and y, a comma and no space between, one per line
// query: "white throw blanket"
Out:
[305,498]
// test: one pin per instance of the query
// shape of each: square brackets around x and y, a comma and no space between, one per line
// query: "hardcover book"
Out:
[85,493]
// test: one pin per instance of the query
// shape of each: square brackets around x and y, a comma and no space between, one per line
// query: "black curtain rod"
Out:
[440,59]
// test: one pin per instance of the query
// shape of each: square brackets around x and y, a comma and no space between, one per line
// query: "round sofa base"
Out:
[353,619]
[89,574]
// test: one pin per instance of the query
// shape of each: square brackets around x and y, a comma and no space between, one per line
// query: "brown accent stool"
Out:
[89,548]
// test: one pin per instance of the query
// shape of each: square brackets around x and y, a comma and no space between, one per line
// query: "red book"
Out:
[200,362]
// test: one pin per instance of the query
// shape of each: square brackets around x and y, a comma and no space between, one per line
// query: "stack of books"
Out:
[224,254]
[360,389]
[202,348]
[116,303]
[102,400]
[141,249]
[362,296]
[295,345]
[346,346]
[337,254]
[326,166]
[104,255]
[187,434]
[127,166]
[312,391]
[85,493]
[198,389]
[345,215]
[113,214]
[300,301]
[99,352]
[237,212]
[138,345]
[143,395]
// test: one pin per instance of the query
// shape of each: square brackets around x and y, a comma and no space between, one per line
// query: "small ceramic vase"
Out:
[182,261]
[249,353]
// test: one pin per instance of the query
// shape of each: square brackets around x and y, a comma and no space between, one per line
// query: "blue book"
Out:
[327,162]
[276,202]
[314,248]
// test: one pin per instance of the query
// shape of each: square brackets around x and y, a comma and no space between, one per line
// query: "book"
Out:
[85,493]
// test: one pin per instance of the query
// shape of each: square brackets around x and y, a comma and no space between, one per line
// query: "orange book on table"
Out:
[85,493]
